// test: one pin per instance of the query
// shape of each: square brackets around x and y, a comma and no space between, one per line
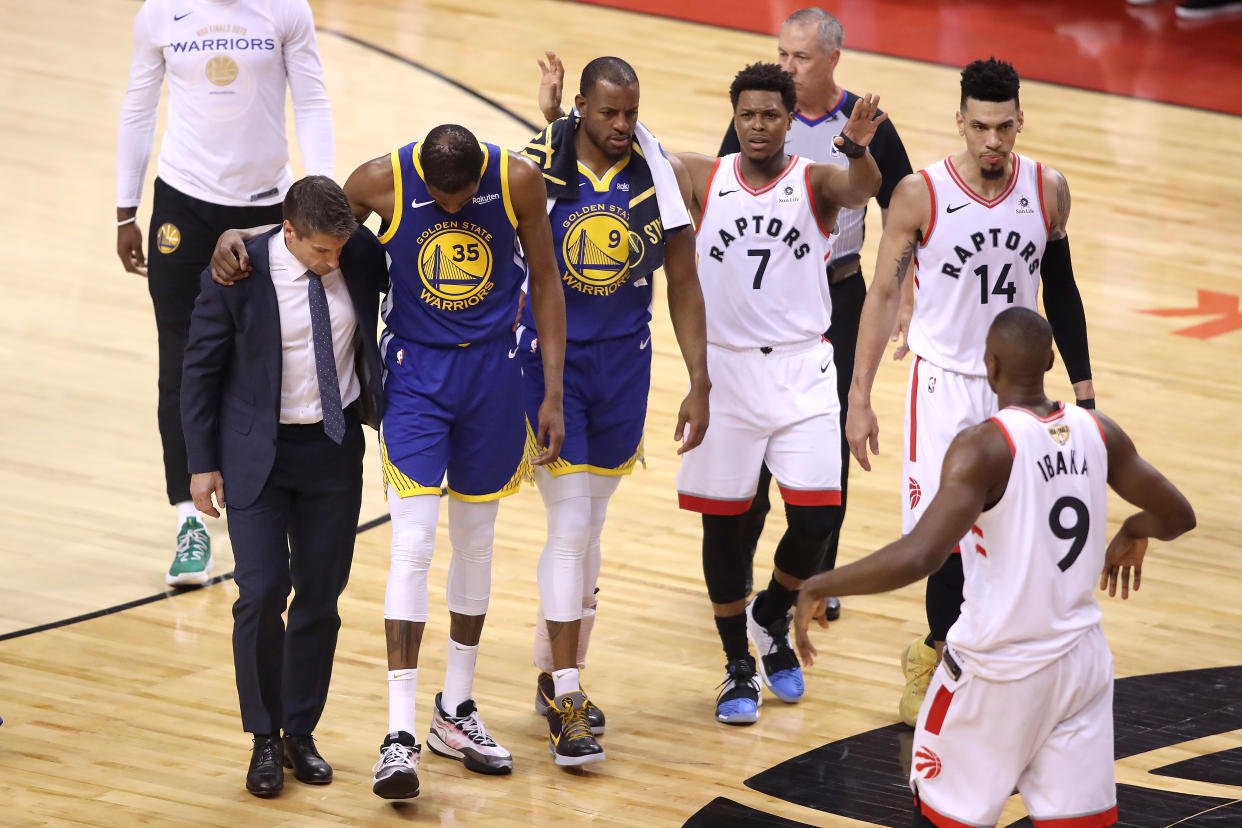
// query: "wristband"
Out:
[1088,403]
[850,148]
[129,220]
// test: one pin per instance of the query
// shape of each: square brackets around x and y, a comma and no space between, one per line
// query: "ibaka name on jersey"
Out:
[1051,467]
[994,238]
[758,226]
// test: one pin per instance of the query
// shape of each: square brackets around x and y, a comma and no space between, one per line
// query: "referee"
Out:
[809,48]
[223,162]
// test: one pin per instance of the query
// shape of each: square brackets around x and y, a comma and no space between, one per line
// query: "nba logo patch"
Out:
[916,492]
[1060,433]
[931,385]
[926,763]
[401,356]
[167,238]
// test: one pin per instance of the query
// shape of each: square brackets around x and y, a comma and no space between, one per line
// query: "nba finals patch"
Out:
[167,238]
[455,265]
[1060,433]
[596,250]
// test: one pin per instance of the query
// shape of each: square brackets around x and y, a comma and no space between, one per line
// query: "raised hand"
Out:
[551,86]
[861,126]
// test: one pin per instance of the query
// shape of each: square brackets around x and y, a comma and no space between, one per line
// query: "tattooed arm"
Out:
[909,213]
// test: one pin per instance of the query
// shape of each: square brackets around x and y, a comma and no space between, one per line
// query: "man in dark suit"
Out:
[280,371]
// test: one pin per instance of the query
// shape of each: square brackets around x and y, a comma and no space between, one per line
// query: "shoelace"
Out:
[779,630]
[267,753]
[473,727]
[574,723]
[394,754]
[191,545]
[735,681]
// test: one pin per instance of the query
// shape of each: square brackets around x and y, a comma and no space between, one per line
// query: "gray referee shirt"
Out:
[813,139]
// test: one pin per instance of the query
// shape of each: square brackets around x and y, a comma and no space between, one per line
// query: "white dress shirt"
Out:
[299,381]
[227,63]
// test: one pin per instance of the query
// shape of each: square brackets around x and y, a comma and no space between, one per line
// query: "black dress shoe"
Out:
[266,777]
[308,766]
[832,609]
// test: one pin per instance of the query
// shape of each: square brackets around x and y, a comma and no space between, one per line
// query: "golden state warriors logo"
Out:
[221,70]
[596,250]
[455,264]
[167,238]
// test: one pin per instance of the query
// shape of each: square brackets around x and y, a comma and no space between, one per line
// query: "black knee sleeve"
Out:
[757,514]
[802,547]
[726,559]
[944,597]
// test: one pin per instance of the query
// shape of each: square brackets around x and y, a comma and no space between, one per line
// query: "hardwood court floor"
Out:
[131,718]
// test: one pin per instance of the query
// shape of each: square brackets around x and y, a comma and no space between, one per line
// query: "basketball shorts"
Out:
[605,401]
[1050,735]
[454,410]
[939,404]
[779,407]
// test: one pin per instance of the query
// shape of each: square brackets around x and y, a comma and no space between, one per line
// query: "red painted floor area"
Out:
[1106,45]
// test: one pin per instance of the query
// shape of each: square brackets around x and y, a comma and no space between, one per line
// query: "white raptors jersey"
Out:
[1038,553]
[978,258]
[761,259]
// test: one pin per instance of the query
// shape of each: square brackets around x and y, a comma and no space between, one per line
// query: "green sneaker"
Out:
[192,564]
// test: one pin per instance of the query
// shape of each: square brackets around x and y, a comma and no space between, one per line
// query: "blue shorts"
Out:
[456,410]
[606,386]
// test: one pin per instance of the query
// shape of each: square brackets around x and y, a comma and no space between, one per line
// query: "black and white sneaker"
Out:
[396,772]
[464,737]
[739,700]
[569,734]
[545,692]
[778,663]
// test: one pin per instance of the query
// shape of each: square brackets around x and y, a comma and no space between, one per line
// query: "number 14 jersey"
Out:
[978,258]
[761,259]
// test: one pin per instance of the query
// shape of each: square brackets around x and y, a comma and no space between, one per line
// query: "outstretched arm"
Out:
[908,216]
[547,298]
[852,186]
[1166,513]
[975,472]
[1062,301]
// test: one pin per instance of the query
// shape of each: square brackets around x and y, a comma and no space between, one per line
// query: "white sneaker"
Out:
[464,737]
[778,663]
[396,772]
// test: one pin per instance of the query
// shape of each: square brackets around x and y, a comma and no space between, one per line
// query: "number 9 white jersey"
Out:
[1037,554]
[979,257]
[762,256]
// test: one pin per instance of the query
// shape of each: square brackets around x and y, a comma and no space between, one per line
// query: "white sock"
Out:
[458,676]
[402,686]
[566,681]
[185,511]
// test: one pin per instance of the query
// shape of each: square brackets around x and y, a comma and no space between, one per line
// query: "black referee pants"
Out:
[848,296]
[182,235]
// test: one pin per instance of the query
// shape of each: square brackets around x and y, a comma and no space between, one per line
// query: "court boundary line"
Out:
[172,592]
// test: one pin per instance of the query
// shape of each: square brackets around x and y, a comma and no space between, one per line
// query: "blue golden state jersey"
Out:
[592,238]
[455,276]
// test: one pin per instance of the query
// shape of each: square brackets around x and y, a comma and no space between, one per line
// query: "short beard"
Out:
[991,173]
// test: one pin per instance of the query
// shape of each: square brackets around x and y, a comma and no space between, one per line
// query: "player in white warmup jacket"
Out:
[1028,485]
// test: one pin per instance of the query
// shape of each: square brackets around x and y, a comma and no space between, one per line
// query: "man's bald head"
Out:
[1019,349]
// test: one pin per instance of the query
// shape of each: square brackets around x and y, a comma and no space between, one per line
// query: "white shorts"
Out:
[939,404]
[1050,735]
[780,407]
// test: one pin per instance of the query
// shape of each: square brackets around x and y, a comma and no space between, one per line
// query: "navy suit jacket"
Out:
[231,376]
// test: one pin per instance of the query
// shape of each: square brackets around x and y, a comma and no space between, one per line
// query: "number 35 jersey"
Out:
[1031,573]
[761,259]
[455,276]
[978,258]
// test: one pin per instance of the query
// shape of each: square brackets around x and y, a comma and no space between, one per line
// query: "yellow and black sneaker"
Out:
[569,734]
[545,690]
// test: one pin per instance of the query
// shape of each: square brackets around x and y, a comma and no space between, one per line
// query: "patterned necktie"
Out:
[325,361]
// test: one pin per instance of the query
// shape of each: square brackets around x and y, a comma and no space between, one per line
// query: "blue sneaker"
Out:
[739,700]
[778,663]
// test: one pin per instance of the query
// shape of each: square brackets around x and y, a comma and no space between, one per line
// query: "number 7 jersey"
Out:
[1036,555]
[761,258]
[978,258]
